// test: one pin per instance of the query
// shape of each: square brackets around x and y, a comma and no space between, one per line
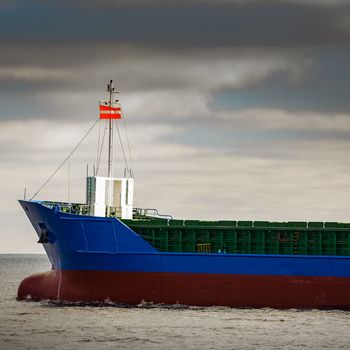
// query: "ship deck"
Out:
[229,236]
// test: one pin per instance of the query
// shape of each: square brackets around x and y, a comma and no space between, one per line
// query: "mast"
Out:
[106,195]
[110,89]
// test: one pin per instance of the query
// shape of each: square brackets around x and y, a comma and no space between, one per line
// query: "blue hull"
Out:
[85,247]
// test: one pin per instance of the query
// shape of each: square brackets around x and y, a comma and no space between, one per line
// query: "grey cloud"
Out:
[263,173]
[171,23]
[178,48]
[153,83]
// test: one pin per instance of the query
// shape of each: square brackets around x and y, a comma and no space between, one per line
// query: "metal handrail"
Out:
[71,208]
[151,212]
[85,209]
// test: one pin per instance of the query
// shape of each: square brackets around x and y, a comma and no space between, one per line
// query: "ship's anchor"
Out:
[44,234]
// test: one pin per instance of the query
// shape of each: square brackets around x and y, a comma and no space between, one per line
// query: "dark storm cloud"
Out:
[170,23]
[237,54]
[324,88]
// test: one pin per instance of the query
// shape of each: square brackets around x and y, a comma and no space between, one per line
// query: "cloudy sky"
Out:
[234,109]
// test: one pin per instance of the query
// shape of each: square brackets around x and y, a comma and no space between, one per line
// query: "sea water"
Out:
[49,325]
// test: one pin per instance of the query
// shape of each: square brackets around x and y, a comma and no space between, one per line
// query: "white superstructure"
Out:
[110,196]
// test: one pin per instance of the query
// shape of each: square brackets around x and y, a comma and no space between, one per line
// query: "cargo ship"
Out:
[106,250]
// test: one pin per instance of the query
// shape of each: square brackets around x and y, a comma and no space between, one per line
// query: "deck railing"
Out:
[85,209]
[141,213]
[71,208]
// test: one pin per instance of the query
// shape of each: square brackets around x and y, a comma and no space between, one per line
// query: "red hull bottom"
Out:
[190,289]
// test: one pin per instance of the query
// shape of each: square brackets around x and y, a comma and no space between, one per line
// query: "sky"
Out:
[235,109]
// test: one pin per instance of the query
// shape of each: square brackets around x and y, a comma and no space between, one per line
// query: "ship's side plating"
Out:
[97,259]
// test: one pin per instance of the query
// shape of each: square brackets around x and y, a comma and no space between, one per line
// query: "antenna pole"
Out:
[110,89]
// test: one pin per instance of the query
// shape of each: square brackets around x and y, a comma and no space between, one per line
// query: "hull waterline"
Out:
[190,289]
